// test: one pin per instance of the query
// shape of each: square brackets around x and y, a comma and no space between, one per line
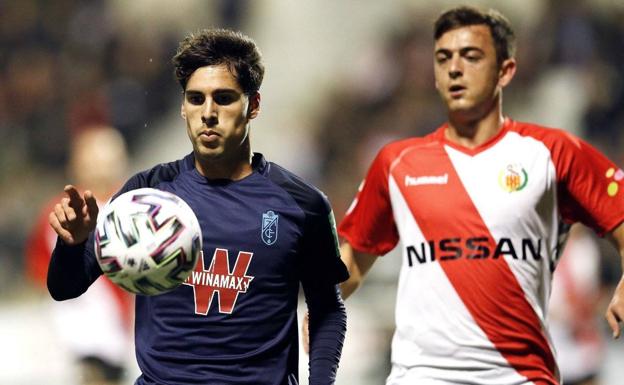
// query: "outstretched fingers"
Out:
[75,216]
[58,228]
[75,200]
[614,322]
[91,205]
[615,310]
[69,212]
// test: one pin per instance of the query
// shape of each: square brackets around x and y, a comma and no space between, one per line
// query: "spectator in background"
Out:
[96,326]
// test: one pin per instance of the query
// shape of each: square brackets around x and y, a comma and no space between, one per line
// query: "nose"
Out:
[209,113]
[455,69]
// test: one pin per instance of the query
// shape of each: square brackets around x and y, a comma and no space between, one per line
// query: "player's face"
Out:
[217,113]
[467,74]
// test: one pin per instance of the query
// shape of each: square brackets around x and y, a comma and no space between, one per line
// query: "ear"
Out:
[253,109]
[506,72]
[182,111]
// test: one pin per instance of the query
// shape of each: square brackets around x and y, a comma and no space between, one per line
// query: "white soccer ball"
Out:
[147,241]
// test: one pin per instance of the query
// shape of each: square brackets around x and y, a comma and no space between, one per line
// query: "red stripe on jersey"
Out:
[487,287]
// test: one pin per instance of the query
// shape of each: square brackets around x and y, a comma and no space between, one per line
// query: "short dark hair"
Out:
[500,28]
[218,46]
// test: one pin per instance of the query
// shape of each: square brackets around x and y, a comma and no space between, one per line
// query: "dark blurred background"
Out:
[343,78]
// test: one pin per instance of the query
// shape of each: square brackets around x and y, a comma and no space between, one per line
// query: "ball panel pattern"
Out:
[147,241]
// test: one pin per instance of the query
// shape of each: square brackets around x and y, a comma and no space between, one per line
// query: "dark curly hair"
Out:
[500,28]
[218,46]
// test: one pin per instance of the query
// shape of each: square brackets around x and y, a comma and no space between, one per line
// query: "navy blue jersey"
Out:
[234,320]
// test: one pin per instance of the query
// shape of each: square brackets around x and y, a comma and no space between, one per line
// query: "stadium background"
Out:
[342,78]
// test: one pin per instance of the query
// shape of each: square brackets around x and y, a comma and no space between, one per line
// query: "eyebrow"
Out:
[218,90]
[462,50]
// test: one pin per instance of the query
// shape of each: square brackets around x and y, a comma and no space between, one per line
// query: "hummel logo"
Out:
[420,180]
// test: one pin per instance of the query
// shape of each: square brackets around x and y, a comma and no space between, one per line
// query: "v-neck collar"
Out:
[440,133]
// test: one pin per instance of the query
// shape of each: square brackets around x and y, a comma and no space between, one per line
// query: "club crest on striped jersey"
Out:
[513,178]
[270,222]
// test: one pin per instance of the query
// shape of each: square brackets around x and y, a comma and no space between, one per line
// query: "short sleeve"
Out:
[321,256]
[369,223]
[589,185]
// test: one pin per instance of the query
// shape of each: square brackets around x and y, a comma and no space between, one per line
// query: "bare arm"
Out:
[615,310]
[358,264]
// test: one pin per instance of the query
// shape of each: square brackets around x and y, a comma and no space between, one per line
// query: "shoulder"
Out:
[163,172]
[308,197]
[552,138]
[397,147]
[166,172]
[395,150]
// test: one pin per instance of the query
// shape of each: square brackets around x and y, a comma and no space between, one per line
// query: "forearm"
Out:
[71,271]
[358,264]
[328,325]
[349,286]
[615,310]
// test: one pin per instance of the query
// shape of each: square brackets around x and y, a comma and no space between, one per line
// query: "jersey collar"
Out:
[258,165]
[440,134]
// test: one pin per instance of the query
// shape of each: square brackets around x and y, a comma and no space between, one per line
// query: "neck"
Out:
[470,131]
[233,168]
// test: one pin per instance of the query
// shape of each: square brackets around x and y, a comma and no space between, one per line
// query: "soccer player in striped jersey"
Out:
[481,207]
[265,232]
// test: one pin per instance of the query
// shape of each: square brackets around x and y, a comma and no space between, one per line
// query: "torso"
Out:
[480,232]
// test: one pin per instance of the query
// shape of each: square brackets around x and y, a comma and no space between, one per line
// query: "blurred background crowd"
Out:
[343,78]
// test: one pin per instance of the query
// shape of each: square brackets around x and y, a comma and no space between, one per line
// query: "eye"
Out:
[472,54]
[195,98]
[225,98]
[440,59]
[473,58]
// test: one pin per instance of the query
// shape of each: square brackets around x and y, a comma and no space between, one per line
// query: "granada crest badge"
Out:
[270,222]
[513,178]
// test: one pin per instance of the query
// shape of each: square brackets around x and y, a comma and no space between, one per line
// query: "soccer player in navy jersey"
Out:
[260,223]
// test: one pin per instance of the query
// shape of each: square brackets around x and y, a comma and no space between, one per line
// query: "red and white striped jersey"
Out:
[480,231]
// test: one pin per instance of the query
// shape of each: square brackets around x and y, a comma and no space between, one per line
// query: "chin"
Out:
[207,153]
[464,112]
[460,108]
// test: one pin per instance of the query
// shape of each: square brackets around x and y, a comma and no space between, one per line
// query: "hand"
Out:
[615,310]
[305,333]
[75,216]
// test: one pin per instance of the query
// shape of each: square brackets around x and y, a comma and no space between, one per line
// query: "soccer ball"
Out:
[147,241]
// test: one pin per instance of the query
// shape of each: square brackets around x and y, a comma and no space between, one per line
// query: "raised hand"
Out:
[75,216]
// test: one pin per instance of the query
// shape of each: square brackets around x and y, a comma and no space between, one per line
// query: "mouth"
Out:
[456,91]
[209,135]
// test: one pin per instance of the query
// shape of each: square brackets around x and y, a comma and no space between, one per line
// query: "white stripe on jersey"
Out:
[479,175]
[434,330]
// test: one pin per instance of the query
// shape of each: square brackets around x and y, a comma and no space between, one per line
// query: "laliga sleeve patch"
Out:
[613,188]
